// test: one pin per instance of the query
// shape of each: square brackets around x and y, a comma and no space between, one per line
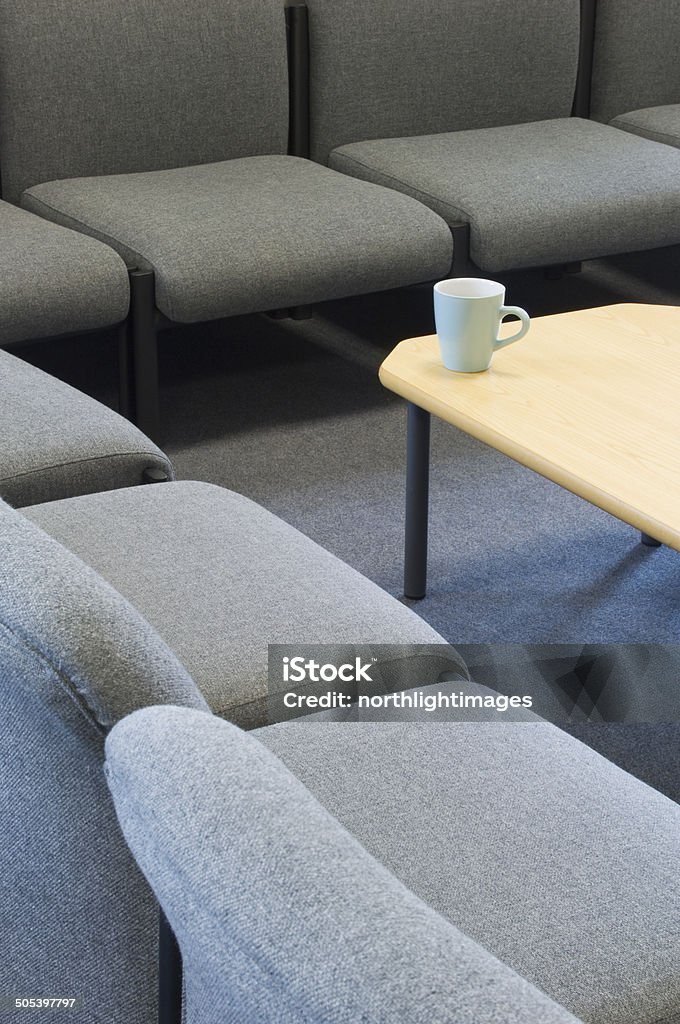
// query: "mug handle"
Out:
[526,324]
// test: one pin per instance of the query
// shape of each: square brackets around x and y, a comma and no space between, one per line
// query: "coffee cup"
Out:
[468,313]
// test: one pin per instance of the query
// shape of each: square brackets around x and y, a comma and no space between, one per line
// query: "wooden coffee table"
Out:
[590,400]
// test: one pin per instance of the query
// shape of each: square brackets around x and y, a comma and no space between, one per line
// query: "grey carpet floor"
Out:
[291,413]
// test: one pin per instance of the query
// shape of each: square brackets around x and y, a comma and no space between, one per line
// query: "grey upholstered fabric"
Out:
[95,648]
[89,87]
[281,915]
[221,578]
[662,124]
[535,194]
[56,442]
[384,68]
[53,281]
[635,60]
[556,861]
[254,234]
[76,918]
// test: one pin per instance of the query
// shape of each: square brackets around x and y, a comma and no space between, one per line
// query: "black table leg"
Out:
[648,541]
[417,495]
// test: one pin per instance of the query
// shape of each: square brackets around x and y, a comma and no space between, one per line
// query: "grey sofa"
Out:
[189,179]
[466,107]
[413,872]
[635,83]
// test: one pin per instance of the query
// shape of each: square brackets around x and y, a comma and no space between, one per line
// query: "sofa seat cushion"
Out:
[559,863]
[662,124]
[534,194]
[221,578]
[55,442]
[253,234]
[54,281]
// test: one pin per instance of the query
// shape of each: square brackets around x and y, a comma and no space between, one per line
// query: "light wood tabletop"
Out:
[589,399]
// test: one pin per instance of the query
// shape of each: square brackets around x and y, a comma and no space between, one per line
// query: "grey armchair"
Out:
[413,872]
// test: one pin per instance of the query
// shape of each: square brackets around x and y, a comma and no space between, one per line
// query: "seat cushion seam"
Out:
[85,229]
[81,462]
[650,133]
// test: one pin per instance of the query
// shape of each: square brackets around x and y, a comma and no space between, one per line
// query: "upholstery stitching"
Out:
[80,462]
[77,696]
[646,133]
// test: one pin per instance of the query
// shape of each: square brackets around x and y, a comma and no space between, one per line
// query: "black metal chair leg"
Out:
[126,384]
[462,264]
[169,974]
[145,351]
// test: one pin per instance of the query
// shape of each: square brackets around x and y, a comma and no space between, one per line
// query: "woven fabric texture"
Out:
[383,69]
[88,87]
[635,61]
[220,578]
[103,655]
[55,442]
[255,234]
[281,915]
[553,859]
[76,917]
[535,194]
[661,124]
[53,281]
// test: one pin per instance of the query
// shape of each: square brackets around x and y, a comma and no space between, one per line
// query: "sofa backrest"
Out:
[102,656]
[74,658]
[90,87]
[635,59]
[385,68]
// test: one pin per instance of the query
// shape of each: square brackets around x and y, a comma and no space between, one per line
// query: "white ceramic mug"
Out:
[468,312]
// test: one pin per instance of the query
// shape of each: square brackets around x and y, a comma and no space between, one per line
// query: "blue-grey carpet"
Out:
[292,414]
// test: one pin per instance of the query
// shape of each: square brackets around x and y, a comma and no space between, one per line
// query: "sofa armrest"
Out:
[281,915]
